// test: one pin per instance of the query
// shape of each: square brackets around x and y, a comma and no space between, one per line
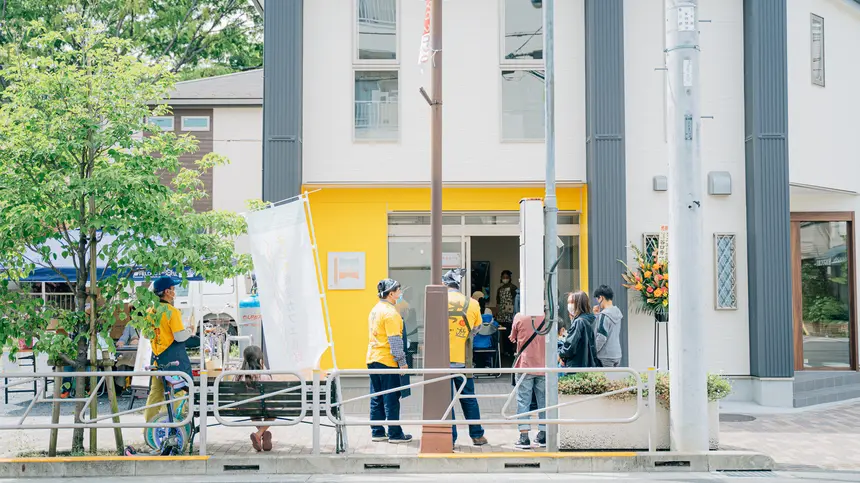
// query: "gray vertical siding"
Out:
[605,153]
[767,190]
[282,100]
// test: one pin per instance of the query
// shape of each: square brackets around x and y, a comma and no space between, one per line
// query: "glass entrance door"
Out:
[823,281]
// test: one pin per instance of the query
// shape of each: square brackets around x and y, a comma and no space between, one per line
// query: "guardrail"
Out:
[41,377]
[451,374]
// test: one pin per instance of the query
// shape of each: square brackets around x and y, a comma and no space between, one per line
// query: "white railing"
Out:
[41,377]
[377,115]
[62,301]
[379,12]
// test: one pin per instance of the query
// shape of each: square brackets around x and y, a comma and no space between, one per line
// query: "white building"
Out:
[778,92]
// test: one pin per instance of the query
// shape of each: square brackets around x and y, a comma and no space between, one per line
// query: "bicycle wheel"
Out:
[156,437]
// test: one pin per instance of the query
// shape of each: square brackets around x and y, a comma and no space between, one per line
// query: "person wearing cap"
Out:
[168,344]
[386,350]
[464,320]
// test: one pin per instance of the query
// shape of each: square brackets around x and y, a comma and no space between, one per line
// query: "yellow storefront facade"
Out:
[359,220]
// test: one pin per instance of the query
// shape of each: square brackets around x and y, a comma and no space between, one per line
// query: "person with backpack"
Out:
[464,319]
[531,392]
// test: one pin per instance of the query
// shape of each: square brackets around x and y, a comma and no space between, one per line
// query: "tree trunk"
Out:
[80,366]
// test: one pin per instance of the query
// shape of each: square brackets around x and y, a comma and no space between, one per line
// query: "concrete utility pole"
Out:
[437,396]
[550,221]
[688,390]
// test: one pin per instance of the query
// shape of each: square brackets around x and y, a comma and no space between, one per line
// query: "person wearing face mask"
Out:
[577,348]
[607,330]
[505,295]
[386,350]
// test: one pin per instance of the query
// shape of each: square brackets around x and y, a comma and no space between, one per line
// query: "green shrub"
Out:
[594,383]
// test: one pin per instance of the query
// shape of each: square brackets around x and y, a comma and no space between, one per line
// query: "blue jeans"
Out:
[532,387]
[469,405]
[387,406]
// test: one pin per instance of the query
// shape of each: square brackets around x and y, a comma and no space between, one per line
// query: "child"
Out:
[253,361]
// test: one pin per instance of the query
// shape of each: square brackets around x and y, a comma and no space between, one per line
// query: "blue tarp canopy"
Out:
[44,272]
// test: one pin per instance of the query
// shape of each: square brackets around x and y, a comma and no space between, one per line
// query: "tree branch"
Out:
[179,29]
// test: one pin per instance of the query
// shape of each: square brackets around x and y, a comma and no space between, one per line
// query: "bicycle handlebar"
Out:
[166,366]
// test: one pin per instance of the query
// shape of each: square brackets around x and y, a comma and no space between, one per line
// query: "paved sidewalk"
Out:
[818,438]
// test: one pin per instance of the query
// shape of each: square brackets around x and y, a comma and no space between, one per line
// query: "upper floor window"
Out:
[376,110]
[523,85]
[817,49]
[376,30]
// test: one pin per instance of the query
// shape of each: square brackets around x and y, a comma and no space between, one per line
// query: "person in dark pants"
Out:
[386,351]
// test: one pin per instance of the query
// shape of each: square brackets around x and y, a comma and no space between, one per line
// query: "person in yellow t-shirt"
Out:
[168,344]
[386,350]
[464,320]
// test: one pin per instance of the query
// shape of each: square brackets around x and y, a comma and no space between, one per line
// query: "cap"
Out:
[163,283]
[478,295]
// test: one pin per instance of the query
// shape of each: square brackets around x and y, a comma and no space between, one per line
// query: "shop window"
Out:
[726,295]
[817,49]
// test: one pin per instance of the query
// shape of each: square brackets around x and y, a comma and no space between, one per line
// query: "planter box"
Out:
[627,436]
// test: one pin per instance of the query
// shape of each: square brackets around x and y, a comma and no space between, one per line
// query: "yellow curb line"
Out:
[537,454]
[85,459]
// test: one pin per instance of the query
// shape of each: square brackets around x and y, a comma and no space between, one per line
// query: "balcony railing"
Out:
[377,116]
[377,12]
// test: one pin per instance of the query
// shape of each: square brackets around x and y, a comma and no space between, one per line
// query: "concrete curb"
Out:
[370,464]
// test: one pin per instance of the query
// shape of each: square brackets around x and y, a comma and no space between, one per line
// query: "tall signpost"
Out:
[688,390]
[437,396]
[551,221]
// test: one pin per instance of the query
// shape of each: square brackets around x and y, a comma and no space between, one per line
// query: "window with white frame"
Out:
[650,245]
[195,123]
[522,71]
[376,71]
[817,49]
[726,293]
[165,123]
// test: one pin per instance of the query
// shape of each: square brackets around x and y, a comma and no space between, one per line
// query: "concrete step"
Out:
[826,395]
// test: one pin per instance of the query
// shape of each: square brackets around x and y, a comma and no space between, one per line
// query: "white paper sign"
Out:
[141,360]
[293,323]
[663,245]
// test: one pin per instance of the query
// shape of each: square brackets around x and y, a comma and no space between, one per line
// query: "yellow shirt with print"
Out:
[170,322]
[457,330]
[384,322]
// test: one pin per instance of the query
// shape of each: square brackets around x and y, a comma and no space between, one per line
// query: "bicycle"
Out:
[167,441]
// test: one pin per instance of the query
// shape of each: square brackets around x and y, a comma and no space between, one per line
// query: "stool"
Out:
[22,356]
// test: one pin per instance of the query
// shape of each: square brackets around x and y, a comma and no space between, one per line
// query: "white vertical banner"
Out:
[293,323]
[424,53]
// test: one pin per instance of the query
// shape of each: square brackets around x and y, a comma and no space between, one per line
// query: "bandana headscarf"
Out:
[453,278]
[385,287]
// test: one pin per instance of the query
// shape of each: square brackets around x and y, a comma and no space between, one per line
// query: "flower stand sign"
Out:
[648,278]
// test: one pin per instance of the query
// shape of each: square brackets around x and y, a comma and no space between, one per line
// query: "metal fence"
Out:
[334,410]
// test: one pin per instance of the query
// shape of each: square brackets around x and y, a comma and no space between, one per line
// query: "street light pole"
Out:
[688,384]
[550,221]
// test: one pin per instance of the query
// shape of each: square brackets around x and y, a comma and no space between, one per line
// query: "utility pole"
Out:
[688,387]
[550,221]
[437,396]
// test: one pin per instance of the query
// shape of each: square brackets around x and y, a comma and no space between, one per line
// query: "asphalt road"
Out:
[485,478]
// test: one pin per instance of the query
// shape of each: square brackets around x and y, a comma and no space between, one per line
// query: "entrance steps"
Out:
[821,387]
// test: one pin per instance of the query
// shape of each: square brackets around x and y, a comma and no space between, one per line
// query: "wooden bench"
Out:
[286,406]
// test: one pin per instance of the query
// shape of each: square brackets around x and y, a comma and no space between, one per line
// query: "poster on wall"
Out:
[346,270]
[452,260]
[284,262]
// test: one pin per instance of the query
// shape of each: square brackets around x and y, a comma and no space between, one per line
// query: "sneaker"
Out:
[380,438]
[523,442]
[541,439]
[479,441]
[406,438]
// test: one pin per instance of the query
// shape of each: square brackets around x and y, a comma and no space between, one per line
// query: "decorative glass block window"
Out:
[650,242]
[195,123]
[163,122]
[726,293]
[817,49]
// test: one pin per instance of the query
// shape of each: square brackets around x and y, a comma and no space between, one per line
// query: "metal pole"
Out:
[436,143]
[93,319]
[688,391]
[551,222]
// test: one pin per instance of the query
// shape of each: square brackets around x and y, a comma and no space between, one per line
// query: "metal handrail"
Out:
[92,423]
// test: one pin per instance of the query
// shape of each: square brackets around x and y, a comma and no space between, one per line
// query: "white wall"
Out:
[473,151]
[822,122]
[238,135]
[722,96]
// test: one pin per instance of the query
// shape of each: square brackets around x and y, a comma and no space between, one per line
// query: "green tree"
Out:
[195,38]
[72,171]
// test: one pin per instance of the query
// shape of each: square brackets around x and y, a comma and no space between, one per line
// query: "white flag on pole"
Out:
[293,323]
[424,54]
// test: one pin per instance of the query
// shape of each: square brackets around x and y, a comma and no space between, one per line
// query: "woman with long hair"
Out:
[253,361]
[578,349]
